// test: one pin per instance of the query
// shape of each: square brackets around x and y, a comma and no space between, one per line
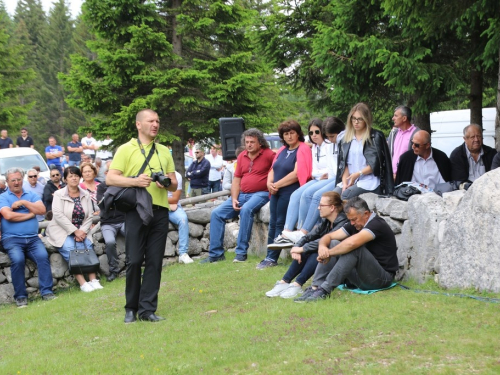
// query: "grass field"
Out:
[219,321]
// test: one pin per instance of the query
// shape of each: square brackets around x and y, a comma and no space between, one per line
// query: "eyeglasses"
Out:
[417,145]
[34,176]
[314,132]
[357,119]
[325,205]
[196,152]
[55,175]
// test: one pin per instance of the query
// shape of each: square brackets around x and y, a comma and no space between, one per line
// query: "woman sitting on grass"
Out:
[68,229]
[305,252]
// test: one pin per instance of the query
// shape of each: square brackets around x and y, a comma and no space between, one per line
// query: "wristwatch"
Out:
[360,174]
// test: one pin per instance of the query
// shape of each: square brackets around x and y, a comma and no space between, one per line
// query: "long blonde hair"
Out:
[367,117]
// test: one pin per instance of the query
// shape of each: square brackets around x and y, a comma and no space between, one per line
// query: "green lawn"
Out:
[219,321]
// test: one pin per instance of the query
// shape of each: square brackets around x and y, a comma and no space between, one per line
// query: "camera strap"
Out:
[148,158]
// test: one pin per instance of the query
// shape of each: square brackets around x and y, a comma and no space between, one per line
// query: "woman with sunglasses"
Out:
[291,169]
[364,158]
[302,213]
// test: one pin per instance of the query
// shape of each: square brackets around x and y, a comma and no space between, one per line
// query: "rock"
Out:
[258,241]
[205,244]
[99,248]
[201,216]
[98,237]
[452,199]
[231,235]
[58,265]
[383,206]
[8,276]
[4,260]
[120,245]
[50,249]
[169,248]
[194,247]
[32,282]
[6,293]
[195,230]
[371,199]
[399,210]
[2,278]
[264,214]
[169,261]
[394,224]
[425,212]
[104,265]
[206,232]
[174,236]
[470,248]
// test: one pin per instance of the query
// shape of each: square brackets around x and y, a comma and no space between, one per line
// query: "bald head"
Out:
[421,144]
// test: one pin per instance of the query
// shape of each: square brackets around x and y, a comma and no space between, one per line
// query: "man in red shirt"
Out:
[248,194]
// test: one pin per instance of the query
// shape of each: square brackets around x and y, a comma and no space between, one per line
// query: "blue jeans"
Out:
[310,200]
[304,270]
[73,163]
[18,249]
[250,204]
[110,232]
[69,245]
[278,208]
[213,186]
[180,219]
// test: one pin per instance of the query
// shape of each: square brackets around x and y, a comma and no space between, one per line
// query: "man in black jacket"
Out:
[472,159]
[197,174]
[425,165]
[51,187]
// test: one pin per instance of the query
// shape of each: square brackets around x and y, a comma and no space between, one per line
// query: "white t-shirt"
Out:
[88,141]
[179,186]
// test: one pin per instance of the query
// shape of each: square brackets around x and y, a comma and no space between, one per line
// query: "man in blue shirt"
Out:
[75,150]
[20,236]
[53,153]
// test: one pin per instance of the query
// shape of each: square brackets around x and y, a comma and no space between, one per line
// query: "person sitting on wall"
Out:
[55,183]
[20,240]
[305,252]
[472,159]
[197,173]
[248,194]
[112,223]
[362,252]
[424,165]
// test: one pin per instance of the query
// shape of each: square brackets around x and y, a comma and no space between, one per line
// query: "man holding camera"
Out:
[145,242]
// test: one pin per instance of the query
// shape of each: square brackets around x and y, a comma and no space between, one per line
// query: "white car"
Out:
[25,158]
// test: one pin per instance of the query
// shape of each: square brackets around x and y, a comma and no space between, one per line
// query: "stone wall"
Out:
[453,239]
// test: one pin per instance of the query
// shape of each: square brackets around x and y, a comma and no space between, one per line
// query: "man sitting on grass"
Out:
[365,256]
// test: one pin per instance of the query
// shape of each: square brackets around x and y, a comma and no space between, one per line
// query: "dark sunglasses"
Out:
[55,175]
[314,132]
[197,152]
[417,145]
[32,176]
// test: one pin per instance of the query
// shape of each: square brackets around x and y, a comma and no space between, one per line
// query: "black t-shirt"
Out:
[284,164]
[4,143]
[383,246]
[28,142]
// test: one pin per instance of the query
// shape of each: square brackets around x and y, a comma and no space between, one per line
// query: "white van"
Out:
[25,158]
[448,128]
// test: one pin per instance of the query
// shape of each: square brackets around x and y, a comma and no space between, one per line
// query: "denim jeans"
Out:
[213,186]
[304,270]
[250,204]
[69,245]
[278,209]
[73,163]
[359,267]
[180,219]
[310,200]
[110,232]
[18,248]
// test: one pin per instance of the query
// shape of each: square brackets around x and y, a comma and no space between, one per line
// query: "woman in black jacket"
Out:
[305,252]
[364,159]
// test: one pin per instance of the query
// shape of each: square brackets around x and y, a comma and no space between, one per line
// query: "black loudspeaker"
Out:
[231,129]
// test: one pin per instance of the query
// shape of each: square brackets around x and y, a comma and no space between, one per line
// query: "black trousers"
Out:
[144,244]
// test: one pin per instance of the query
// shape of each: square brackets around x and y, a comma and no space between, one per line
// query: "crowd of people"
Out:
[312,184]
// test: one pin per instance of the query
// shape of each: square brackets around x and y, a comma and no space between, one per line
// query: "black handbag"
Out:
[83,261]
[405,191]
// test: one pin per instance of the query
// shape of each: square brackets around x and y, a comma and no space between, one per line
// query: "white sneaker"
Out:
[291,292]
[278,289]
[96,284]
[87,287]
[293,236]
[184,258]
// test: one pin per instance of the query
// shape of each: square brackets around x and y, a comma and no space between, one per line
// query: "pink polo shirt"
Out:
[401,142]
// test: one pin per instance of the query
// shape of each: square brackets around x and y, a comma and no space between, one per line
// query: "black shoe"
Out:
[213,260]
[22,302]
[240,259]
[151,318]
[281,242]
[111,277]
[318,294]
[48,297]
[130,316]
[307,293]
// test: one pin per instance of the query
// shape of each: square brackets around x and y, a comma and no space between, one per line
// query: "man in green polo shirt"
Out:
[144,243]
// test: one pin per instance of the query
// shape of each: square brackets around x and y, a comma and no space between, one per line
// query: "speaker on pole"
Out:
[231,129]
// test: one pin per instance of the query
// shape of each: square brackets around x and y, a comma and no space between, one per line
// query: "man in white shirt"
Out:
[214,176]
[89,145]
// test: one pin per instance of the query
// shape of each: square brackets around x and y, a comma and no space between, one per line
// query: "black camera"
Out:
[161,178]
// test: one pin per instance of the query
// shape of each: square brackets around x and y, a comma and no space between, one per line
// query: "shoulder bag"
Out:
[83,261]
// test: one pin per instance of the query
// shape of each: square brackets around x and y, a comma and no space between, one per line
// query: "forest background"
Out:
[195,61]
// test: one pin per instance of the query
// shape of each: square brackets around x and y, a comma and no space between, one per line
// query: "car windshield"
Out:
[25,162]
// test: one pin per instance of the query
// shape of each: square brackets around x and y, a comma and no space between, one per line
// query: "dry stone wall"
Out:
[453,239]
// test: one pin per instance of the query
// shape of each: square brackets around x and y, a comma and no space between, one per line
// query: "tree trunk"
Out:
[176,38]
[423,121]
[497,119]
[476,84]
